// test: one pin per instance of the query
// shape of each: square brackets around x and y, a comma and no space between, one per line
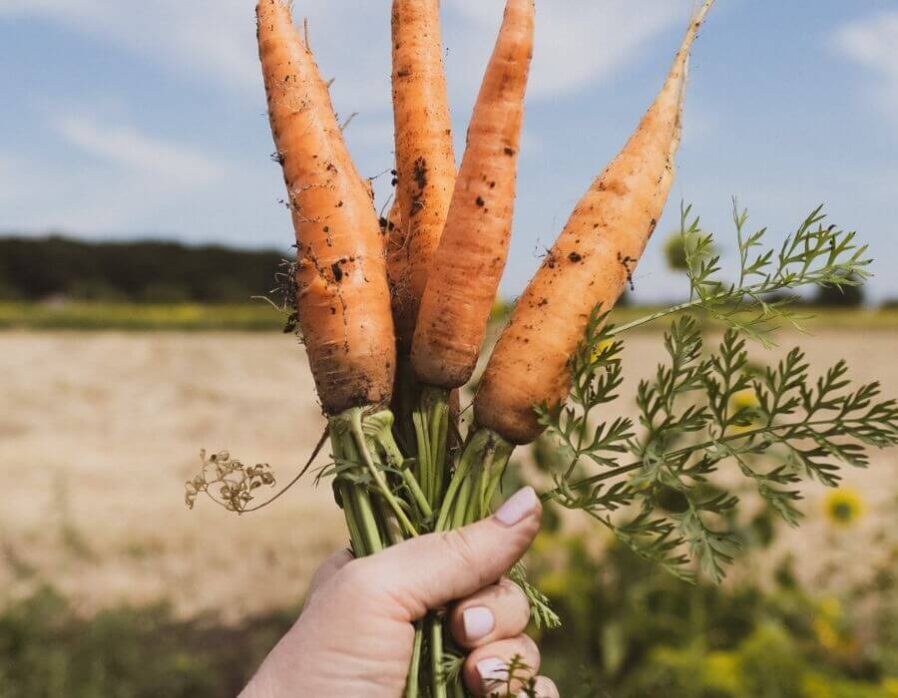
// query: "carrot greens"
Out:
[778,425]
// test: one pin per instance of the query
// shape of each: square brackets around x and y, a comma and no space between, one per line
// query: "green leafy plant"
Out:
[691,423]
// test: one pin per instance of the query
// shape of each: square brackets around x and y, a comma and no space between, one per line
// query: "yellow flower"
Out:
[742,401]
[843,507]
[601,348]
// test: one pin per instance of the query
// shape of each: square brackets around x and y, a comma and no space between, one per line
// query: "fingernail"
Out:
[520,505]
[492,670]
[478,621]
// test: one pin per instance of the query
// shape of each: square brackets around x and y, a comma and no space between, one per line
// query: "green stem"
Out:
[460,507]
[646,319]
[391,448]
[422,439]
[437,680]
[460,477]
[414,669]
[355,416]
[479,471]
[358,510]
[431,420]
[436,402]
[349,512]
[367,520]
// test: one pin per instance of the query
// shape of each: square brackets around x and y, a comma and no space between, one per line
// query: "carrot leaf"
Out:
[761,298]
[664,485]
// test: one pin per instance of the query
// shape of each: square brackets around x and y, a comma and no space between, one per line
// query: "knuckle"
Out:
[516,596]
[358,576]
[460,544]
[530,652]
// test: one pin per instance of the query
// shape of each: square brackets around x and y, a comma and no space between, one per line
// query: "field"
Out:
[99,431]
[261,316]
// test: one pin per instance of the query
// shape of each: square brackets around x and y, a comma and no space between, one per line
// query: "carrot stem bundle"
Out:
[591,262]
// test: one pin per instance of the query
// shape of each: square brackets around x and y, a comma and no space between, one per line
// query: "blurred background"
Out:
[141,213]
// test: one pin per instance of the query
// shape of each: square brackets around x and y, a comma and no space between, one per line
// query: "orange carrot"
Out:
[343,298]
[589,265]
[425,162]
[471,256]
[396,241]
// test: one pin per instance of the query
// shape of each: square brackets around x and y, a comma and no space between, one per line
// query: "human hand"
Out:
[355,634]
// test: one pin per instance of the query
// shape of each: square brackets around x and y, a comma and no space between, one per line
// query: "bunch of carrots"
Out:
[393,313]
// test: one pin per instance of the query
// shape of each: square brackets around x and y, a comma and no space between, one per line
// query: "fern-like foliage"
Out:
[758,299]
[654,483]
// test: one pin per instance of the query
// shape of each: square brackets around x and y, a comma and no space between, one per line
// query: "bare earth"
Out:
[99,431]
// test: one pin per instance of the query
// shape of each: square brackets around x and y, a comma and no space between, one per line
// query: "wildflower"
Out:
[744,405]
[843,507]
[601,349]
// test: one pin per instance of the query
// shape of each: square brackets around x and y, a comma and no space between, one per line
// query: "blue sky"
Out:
[148,120]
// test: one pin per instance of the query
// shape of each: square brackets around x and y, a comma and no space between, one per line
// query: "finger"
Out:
[543,688]
[505,665]
[430,571]
[494,613]
[328,569]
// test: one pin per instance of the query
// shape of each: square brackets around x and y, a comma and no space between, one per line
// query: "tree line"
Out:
[146,271]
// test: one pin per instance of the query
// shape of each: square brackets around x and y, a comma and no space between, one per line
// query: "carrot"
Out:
[425,161]
[589,265]
[343,298]
[395,242]
[471,256]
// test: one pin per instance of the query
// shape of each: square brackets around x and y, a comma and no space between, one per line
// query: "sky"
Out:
[134,120]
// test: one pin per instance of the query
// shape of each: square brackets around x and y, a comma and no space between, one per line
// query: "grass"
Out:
[255,317]
[260,317]
[821,318]
[48,650]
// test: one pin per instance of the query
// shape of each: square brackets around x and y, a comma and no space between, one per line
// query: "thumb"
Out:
[428,572]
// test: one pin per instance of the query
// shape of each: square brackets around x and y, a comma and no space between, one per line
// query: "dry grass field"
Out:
[99,431]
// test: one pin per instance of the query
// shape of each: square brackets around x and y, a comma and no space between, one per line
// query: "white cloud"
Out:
[871,42]
[215,41]
[211,38]
[128,181]
[137,152]
[581,42]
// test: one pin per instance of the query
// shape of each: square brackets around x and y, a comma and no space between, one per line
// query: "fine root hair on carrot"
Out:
[470,259]
[396,237]
[343,298]
[425,161]
[589,265]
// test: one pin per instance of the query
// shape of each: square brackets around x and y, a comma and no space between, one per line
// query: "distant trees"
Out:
[847,296]
[169,272]
[39,268]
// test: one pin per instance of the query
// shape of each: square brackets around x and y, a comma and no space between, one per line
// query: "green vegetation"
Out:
[135,272]
[128,316]
[260,316]
[630,631]
[48,651]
